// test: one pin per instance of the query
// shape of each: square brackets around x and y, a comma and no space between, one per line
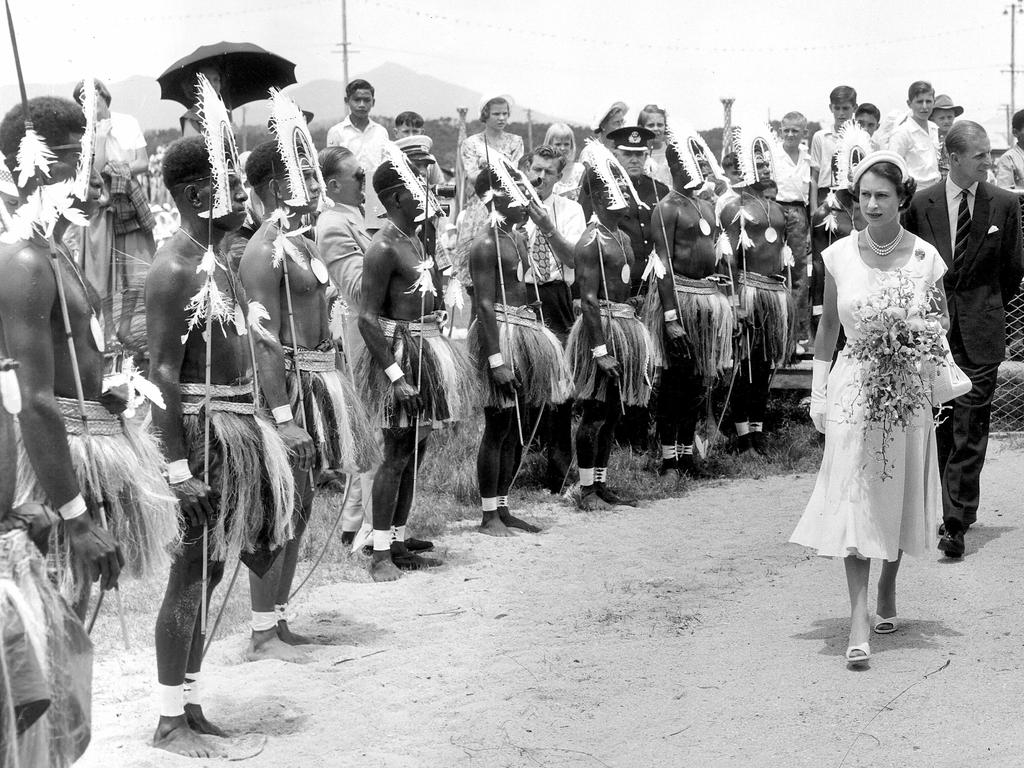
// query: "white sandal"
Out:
[858,654]
[885,626]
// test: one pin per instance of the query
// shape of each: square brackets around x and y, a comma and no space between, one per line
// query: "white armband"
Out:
[282,414]
[72,509]
[671,316]
[496,361]
[600,350]
[394,372]
[178,472]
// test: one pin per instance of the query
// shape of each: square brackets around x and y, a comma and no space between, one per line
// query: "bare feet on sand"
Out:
[174,735]
[199,724]
[511,521]
[493,525]
[267,645]
[591,502]
[383,569]
[291,638]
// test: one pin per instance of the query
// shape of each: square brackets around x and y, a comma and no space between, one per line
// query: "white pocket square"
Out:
[992,229]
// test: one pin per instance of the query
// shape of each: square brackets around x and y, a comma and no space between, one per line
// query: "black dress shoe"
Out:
[952,544]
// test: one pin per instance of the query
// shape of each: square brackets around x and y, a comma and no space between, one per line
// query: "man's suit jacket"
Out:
[981,283]
[343,240]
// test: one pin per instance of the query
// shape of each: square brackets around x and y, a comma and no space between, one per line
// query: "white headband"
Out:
[881,156]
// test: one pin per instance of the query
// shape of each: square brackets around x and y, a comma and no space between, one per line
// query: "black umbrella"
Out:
[246,71]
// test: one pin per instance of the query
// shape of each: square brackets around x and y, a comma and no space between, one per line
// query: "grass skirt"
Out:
[45,665]
[535,354]
[446,383]
[250,474]
[334,414]
[141,510]
[770,315]
[628,340]
[707,320]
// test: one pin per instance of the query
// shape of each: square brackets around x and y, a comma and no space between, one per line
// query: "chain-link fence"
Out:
[1008,403]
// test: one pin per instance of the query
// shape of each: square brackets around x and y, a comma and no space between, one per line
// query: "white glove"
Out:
[819,389]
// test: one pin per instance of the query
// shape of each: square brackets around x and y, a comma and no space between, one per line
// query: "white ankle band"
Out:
[399,533]
[742,427]
[490,504]
[668,451]
[686,450]
[263,621]
[600,473]
[190,690]
[281,611]
[381,540]
[170,700]
[756,426]
[586,477]
[503,501]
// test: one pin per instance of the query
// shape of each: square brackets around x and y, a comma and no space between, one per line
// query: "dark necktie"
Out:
[963,227]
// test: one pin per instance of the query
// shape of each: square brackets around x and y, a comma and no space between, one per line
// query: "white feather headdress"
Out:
[751,141]
[612,174]
[295,146]
[394,155]
[692,149]
[220,143]
[853,144]
[506,176]
[84,173]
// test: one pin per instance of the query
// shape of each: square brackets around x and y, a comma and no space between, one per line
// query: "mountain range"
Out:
[397,88]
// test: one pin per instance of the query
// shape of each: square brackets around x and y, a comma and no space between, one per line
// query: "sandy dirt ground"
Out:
[687,633]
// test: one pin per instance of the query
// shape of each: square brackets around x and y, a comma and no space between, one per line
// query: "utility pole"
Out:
[344,43]
[726,124]
[529,130]
[1012,10]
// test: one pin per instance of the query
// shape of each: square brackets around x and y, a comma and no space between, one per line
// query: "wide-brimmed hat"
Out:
[600,117]
[942,101]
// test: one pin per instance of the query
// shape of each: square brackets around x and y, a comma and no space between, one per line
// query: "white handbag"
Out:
[949,381]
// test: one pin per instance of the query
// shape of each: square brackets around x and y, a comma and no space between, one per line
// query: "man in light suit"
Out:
[975,226]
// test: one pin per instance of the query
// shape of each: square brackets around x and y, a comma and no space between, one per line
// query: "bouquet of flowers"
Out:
[899,348]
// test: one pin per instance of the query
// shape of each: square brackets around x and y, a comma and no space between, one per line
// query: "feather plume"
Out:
[295,147]
[33,155]
[400,162]
[655,266]
[336,323]
[209,302]
[750,141]
[220,144]
[723,248]
[852,144]
[454,295]
[787,256]
[830,223]
[42,210]
[745,241]
[831,201]
[140,389]
[83,175]
[612,175]
[424,283]
[257,314]
[692,149]
[506,174]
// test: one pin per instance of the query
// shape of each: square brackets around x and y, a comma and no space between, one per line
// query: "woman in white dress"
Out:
[853,512]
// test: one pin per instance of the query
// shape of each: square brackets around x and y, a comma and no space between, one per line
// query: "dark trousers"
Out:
[961,441]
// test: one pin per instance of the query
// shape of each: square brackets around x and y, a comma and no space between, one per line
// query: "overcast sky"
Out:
[563,57]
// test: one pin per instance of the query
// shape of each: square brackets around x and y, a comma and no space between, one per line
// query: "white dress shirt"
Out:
[794,178]
[919,147]
[953,193]
[570,222]
[368,147]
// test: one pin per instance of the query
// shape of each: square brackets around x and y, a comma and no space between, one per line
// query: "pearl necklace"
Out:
[887,248]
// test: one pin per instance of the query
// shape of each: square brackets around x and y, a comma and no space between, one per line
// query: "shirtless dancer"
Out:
[688,310]
[49,659]
[519,361]
[121,462]
[247,499]
[756,227]
[609,347]
[332,412]
[410,390]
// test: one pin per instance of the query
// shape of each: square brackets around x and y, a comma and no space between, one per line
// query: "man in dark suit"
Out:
[976,228]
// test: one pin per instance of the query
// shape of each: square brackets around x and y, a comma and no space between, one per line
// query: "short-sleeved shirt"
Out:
[125,137]
[793,178]
[919,147]
[569,222]
[368,147]
[1010,168]
[823,146]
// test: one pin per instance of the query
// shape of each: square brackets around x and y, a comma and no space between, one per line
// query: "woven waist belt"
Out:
[219,398]
[426,327]
[524,316]
[98,420]
[689,285]
[16,551]
[615,309]
[767,282]
[312,360]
